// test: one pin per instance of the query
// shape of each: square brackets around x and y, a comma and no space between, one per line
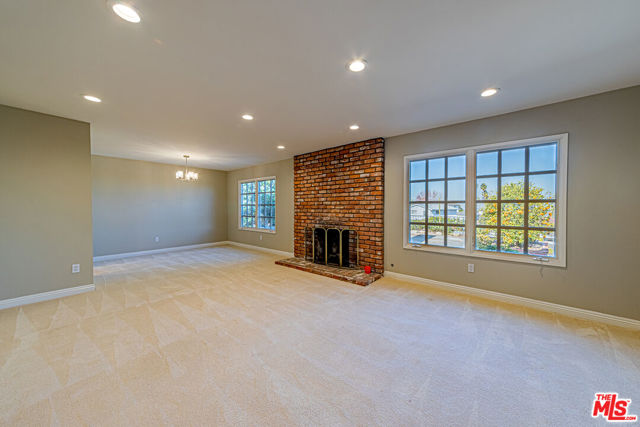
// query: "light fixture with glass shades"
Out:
[186,174]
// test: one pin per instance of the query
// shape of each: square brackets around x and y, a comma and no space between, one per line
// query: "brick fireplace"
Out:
[343,186]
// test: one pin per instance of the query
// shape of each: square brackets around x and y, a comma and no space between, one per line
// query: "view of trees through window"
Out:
[520,217]
[258,204]
[514,208]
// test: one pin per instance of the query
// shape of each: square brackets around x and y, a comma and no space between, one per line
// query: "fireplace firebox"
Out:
[332,246]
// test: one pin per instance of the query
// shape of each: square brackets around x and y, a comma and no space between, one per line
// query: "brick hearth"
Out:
[352,275]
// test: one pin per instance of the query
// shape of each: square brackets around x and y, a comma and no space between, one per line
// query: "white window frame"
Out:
[256,228]
[470,203]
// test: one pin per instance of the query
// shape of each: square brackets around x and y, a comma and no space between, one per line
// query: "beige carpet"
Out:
[224,336]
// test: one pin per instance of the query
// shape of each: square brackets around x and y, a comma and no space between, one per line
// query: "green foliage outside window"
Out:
[541,214]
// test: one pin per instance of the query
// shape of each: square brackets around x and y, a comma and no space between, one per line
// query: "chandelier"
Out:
[186,174]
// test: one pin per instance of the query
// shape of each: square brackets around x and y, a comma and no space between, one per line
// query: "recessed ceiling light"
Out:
[92,98]
[280,147]
[354,127]
[247,116]
[357,65]
[126,12]
[489,92]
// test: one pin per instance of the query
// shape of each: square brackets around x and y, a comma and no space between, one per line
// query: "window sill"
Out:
[258,230]
[526,259]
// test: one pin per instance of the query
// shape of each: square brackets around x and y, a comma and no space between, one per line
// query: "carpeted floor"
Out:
[224,336]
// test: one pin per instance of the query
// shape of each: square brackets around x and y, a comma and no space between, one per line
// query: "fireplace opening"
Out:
[332,246]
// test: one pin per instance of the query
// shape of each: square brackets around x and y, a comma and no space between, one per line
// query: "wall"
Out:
[344,183]
[603,232]
[45,203]
[135,201]
[282,239]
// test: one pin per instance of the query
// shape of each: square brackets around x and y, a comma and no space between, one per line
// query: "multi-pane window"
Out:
[267,204]
[437,201]
[504,201]
[516,200]
[248,204]
[258,204]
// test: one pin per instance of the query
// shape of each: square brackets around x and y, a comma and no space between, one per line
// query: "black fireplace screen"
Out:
[332,246]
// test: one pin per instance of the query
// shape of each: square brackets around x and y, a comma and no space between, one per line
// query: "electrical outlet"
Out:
[471,268]
[261,237]
[75,268]
[157,239]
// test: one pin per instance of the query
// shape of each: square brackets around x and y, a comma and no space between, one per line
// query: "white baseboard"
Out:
[527,302]
[260,248]
[45,296]
[156,251]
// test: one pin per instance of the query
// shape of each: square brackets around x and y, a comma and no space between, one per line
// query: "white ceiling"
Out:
[179,81]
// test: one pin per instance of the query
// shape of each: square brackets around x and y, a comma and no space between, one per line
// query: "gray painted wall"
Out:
[45,203]
[135,201]
[282,240]
[603,186]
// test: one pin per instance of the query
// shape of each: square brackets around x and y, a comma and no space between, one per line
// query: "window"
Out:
[437,201]
[516,200]
[258,204]
[504,201]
